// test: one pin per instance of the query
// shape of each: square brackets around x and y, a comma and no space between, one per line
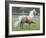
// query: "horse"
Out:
[27,19]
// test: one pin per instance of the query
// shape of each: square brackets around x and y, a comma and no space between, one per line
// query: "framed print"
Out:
[24,18]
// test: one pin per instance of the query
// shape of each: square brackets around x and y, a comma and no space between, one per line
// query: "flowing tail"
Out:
[16,23]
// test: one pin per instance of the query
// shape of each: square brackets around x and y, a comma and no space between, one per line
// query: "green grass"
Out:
[33,26]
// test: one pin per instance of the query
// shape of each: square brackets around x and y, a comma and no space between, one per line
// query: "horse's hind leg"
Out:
[29,25]
[21,25]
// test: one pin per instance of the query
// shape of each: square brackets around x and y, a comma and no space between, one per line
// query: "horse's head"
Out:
[34,12]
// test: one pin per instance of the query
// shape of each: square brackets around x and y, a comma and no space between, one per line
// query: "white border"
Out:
[25,32]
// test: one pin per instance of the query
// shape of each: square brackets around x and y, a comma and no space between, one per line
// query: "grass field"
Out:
[35,26]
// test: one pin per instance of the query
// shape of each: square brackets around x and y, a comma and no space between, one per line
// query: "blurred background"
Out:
[20,11]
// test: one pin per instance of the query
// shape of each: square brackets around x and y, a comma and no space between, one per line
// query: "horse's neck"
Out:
[31,13]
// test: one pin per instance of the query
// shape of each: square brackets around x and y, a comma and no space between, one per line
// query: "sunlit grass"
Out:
[33,26]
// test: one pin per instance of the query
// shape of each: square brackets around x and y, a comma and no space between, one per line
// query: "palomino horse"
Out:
[27,19]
